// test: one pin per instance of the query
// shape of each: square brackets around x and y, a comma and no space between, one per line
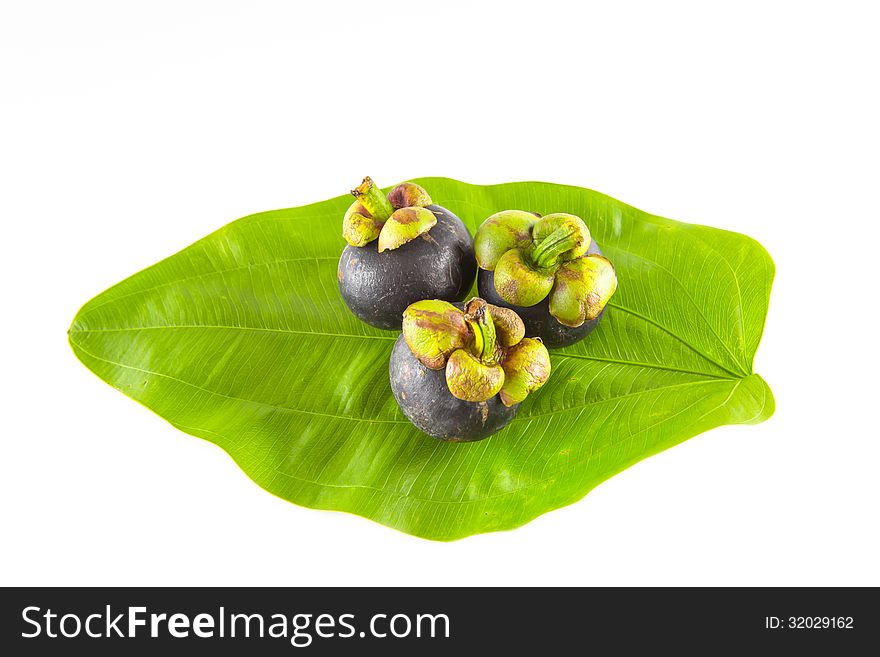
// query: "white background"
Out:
[129,130]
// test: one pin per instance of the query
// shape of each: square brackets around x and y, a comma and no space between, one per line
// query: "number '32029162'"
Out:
[809,622]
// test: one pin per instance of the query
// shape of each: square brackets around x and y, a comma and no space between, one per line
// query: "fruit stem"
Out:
[477,316]
[546,253]
[372,198]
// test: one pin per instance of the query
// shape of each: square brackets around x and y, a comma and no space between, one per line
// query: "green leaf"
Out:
[242,339]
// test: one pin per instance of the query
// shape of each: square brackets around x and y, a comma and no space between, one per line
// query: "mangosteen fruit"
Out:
[459,372]
[548,270]
[401,248]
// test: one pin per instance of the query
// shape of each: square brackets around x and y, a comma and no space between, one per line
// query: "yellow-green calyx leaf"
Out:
[535,257]
[558,238]
[482,349]
[404,206]
[526,368]
[404,225]
[433,329]
[509,328]
[409,195]
[582,288]
[510,229]
[518,282]
[359,228]
[470,379]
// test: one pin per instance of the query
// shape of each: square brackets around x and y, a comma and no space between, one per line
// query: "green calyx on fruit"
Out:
[519,282]
[408,195]
[471,379]
[359,227]
[404,225]
[483,349]
[433,329]
[394,219]
[503,231]
[534,257]
[582,288]
[525,370]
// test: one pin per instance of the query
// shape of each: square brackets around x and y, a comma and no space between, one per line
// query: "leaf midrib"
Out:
[214,272]
[351,418]
[645,215]
[390,338]
[694,303]
[221,394]
[269,263]
[635,313]
[231,327]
